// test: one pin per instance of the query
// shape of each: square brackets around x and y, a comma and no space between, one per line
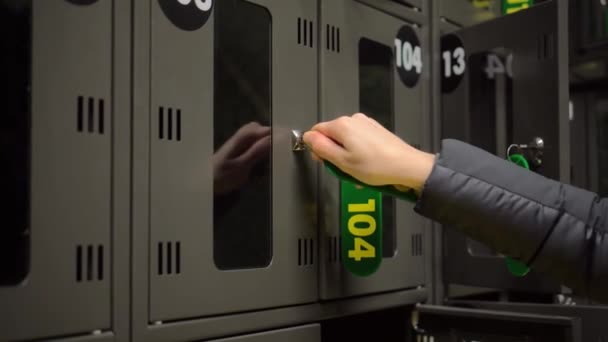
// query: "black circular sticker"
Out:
[83,2]
[408,56]
[453,62]
[189,15]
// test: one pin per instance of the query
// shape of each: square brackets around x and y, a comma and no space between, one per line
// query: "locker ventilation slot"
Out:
[169,124]
[333,38]
[334,249]
[89,263]
[546,46]
[169,258]
[90,115]
[305,32]
[416,244]
[306,252]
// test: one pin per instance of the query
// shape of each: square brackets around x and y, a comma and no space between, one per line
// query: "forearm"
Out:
[556,228]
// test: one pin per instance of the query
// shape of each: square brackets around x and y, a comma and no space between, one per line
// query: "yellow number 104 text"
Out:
[362,225]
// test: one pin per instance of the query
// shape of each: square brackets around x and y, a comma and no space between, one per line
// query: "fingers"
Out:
[360,116]
[374,122]
[242,140]
[336,130]
[324,147]
[251,132]
[367,119]
[257,151]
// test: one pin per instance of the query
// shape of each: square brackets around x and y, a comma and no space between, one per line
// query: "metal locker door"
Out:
[511,88]
[58,119]
[353,34]
[232,207]
[307,333]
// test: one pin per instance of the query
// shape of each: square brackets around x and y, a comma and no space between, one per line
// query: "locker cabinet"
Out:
[359,74]
[512,89]
[232,209]
[56,75]
[308,333]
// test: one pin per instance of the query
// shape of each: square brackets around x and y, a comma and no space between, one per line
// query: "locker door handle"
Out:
[297,141]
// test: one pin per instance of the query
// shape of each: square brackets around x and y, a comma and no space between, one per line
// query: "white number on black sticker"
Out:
[408,56]
[453,62]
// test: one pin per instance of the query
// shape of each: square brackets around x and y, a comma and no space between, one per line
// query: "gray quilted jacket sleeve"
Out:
[555,228]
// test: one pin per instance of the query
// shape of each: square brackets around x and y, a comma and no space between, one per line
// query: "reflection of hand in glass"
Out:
[232,163]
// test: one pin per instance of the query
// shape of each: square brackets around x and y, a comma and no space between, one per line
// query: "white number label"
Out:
[203,5]
[454,62]
[408,56]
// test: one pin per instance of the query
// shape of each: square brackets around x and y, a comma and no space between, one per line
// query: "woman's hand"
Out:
[361,147]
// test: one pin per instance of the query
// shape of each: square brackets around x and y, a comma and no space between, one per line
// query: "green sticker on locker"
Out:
[518,268]
[361,228]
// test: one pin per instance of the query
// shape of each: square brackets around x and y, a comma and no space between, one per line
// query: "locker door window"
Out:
[491,100]
[376,100]
[602,146]
[15,79]
[242,136]
[593,21]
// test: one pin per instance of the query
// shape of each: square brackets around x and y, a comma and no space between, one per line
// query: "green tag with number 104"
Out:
[361,228]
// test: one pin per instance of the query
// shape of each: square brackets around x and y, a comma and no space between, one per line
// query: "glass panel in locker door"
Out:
[15,80]
[491,91]
[376,100]
[242,162]
[593,21]
[601,124]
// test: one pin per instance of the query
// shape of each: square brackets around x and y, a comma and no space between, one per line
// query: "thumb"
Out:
[324,147]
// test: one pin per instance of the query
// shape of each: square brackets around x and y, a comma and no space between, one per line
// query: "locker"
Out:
[308,333]
[359,74]
[56,74]
[511,90]
[231,207]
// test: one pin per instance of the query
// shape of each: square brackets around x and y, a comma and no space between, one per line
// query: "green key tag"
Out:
[518,268]
[361,228]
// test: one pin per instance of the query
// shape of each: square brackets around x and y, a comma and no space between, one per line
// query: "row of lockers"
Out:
[155,169]
[89,114]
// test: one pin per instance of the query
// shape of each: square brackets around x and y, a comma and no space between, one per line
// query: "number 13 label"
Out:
[453,62]
[361,229]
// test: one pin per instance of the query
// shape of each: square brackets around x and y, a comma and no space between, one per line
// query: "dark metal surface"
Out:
[539,109]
